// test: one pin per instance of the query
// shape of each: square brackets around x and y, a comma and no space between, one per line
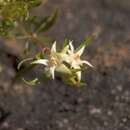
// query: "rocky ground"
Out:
[104,104]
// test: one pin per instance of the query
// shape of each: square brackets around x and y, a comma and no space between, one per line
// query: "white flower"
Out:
[54,62]
[74,60]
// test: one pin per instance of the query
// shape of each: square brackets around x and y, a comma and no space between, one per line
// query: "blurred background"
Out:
[104,104]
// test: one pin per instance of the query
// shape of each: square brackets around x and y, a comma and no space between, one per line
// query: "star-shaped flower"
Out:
[74,60]
[54,62]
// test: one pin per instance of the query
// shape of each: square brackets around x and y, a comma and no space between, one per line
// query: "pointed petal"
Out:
[53,48]
[41,61]
[80,51]
[52,71]
[70,52]
[86,62]
[71,46]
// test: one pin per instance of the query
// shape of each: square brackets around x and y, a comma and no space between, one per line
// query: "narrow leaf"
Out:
[31,82]
[47,22]
[86,42]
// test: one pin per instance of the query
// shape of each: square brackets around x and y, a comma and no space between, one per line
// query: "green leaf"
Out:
[39,56]
[31,82]
[65,46]
[47,22]
[71,80]
[34,3]
[66,42]
[21,73]
[86,42]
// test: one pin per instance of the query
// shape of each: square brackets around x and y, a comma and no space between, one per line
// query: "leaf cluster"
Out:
[13,11]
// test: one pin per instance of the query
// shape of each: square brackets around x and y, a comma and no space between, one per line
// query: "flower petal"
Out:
[52,71]
[41,61]
[71,46]
[86,62]
[53,48]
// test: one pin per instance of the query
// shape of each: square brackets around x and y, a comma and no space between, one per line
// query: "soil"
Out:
[104,104]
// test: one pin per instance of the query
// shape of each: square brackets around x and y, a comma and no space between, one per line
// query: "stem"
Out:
[30,35]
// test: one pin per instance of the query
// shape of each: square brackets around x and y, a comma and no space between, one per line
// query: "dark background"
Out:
[104,104]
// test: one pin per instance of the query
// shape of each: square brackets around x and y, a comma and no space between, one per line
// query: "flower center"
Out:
[76,57]
[53,62]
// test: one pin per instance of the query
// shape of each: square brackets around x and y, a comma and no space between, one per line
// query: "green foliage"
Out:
[17,22]
[14,11]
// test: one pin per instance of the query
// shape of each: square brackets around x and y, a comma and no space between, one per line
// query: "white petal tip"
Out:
[53,48]
[87,63]
[41,61]
[71,46]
